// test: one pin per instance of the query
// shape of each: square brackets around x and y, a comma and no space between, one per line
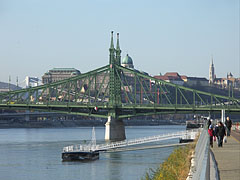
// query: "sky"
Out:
[160,35]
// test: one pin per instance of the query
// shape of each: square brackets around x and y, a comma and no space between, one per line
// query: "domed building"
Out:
[127,62]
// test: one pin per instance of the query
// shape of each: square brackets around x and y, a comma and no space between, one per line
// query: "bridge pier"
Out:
[114,129]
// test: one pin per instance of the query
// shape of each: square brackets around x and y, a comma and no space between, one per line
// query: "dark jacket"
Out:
[209,123]
[216,131]
[221,131]
[228,123]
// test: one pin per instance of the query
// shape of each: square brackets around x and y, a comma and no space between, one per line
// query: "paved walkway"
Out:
[236,135]
[228,158]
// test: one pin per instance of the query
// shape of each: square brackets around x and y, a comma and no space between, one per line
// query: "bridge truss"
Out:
[116,91]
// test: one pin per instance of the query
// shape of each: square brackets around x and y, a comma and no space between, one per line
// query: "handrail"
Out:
[200,163]
[103,147]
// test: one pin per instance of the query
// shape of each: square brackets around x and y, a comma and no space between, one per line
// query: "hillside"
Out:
[4,86]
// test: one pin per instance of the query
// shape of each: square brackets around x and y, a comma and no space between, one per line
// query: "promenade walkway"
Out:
[228,157]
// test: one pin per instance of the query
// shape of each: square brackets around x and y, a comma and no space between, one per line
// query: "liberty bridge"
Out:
[116,92]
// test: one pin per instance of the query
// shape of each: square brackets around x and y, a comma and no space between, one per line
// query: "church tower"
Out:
[211,73]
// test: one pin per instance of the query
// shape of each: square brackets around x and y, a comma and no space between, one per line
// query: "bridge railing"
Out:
[200,163]
[190,134]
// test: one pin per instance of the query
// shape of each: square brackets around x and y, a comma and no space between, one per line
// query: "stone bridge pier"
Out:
[114,129]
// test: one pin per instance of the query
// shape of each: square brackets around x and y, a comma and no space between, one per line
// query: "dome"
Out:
[127,60]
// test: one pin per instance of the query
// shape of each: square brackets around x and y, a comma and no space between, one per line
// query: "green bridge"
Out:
[116,92]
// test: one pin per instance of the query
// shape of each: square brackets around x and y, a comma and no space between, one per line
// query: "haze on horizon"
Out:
[160,36]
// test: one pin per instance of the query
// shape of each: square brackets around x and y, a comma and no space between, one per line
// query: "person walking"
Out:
[220,133]
[228,124]
[209,122]
[211,134]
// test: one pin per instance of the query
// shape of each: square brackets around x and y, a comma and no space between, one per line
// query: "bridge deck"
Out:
[228,158]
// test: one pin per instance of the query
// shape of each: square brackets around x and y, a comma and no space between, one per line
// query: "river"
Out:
[35,154]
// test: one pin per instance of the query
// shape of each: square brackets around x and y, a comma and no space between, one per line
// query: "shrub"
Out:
[176,167]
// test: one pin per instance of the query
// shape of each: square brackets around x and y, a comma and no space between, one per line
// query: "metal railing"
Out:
[190,134]
[200,163]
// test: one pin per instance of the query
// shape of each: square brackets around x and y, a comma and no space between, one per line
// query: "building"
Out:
[184,78]
[197,81]
[172,77]
[57,74]
[175,78]
[228,82]
[225,83]
[31,81]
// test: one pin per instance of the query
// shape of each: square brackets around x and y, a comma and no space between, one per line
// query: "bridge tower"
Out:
[115,129]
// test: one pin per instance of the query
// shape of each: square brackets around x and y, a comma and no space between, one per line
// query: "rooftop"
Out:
[68,70]
[197,78]
[173,74]
[63,69]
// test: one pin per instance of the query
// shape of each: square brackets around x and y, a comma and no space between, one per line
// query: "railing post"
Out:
[223,118]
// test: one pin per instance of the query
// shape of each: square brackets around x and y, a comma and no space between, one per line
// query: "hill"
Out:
[4,87]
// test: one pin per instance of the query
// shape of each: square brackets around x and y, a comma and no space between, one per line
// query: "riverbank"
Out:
[176,166]
[78,123]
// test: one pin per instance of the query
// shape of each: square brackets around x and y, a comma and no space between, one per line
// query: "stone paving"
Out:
[228,158]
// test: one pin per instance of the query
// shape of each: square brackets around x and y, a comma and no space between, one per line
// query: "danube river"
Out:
[35,154]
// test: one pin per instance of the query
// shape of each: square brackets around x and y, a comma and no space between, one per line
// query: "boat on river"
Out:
[81,153]
[80,156]
[198,122]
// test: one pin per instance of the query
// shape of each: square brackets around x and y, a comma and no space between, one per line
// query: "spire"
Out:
[111,51]
[212,75]
[118,51]
[212,61]
[112,45]
[118,46]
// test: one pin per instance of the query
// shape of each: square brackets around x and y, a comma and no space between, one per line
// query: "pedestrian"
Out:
[211,134]
[220,133]
[228,124]
[209,122]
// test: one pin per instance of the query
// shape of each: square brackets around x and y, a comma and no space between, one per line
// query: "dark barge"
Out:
[194,124]
[85,152]
[80,156]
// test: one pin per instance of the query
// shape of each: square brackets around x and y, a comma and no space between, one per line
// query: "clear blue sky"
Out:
[160,35]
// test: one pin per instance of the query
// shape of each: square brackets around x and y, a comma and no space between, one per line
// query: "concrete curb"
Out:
[214,171]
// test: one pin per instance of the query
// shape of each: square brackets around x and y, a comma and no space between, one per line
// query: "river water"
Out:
[35,154]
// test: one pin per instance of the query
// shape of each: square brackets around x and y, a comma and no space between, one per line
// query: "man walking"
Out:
[228,124]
